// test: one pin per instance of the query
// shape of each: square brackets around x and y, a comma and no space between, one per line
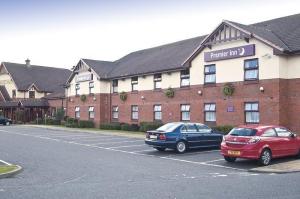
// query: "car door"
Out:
[270,138]
[190,134]
[207,137]
[287,145]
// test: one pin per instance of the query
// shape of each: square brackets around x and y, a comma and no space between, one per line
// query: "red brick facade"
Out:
[279,103]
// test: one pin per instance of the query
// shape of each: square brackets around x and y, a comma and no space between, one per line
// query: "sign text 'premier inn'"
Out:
[230,53]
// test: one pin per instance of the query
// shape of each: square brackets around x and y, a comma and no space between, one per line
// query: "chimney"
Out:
[27,61]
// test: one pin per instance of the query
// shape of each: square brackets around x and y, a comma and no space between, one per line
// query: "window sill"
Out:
[134,120]
[92,94]
[157,90]
[209,85]
[185,87]
[134,92]
[255,81]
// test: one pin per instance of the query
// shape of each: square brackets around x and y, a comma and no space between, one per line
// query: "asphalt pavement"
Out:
[64,164]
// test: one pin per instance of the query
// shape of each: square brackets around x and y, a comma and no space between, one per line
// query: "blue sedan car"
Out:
[182,136]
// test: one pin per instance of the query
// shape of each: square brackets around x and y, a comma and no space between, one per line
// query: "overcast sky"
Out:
[60,32]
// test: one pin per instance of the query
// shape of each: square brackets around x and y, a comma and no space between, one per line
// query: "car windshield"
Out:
[168,127]
[242,132]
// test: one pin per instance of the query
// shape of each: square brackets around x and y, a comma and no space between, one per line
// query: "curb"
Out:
[262,170]
[89,131]
[11,173]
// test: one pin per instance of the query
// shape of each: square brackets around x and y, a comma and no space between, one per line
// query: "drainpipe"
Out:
[110,101]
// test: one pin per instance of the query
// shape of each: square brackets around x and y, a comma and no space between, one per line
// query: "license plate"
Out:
[234,153]
[153,137]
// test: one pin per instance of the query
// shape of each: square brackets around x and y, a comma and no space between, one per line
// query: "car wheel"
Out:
[7,123]
[160,148]
[265,157]
[181,147]
[230,159]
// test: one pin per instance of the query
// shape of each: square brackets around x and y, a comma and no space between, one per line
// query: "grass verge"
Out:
[7,168]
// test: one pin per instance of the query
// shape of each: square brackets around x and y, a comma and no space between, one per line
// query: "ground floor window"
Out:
[210,112]
[251,112]
[91,112]
[134,112]
[157,112]
[77,112]
[185,112]
[115,112]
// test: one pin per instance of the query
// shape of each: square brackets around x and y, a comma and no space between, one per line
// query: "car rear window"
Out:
[168,127]
[243,132]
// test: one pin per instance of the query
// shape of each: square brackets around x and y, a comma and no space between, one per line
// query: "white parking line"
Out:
[118,142]
[214,161]
[5,162]
[109,139]
[117,147]
[143,151]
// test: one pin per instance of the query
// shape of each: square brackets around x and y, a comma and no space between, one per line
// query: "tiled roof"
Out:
[4,93]
[46,79]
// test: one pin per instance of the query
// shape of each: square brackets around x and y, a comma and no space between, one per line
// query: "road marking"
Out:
[75,179]
[214,160]
[4,131]
[118,142]
[5,162]
[109,139]
[116,147]
[129,152]
[143,150]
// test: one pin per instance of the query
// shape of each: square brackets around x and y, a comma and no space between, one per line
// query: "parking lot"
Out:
[122,160]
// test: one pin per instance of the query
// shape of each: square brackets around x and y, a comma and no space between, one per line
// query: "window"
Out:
[157,81]
[203,128]
[91,87]
[210,112]
[210,74]
[115,112]
[189,128]
[91,112]
[251,112]
[251,69]
[14,94]
[269,133]
[32,94]
[185,112]
[77,112]
[157,112]
[282,132]
[134,83]
[185,78]
[134,112]
[77,89]
[243,132]
[115,86]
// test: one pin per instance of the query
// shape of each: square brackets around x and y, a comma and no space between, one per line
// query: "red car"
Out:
[259,142]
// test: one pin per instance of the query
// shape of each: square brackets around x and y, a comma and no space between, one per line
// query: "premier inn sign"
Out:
[230,53]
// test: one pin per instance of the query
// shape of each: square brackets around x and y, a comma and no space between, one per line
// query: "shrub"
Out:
[86,124]
[72,123]
[225,129]
[59,115]
[170,93]
[123,96]
[130,127]
[111,126]
[50,121]
[147,126]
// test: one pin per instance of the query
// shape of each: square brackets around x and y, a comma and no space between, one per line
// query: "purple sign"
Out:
[230,109]
[230,53]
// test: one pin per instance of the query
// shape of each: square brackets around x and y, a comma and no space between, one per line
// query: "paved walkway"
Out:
[284,167]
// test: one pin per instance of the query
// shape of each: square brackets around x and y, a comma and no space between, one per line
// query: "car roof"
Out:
[258,127]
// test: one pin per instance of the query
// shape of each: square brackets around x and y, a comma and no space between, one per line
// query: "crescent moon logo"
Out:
[241,51]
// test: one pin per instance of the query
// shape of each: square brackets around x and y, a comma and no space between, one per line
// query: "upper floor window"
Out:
[115,86]
[251,69]
[91,112]
[157,81]
[251,112]
[134,83]
[157,112]
[185,112]
[134,112]
[210,74]
[185,78]
[115,112]
[77,89]
[210,112]
[14,94]
[91,87]
[32,94]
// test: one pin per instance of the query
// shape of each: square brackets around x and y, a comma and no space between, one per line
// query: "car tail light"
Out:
[254,140]
[162,137]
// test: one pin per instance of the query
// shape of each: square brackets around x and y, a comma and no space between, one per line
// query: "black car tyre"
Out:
[265,157]
[160,148]
[230,159]
[181,147]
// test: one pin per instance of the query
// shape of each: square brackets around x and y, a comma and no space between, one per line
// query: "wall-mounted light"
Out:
[142,97]
[267,55]
[94,98]
[71,100]
[199,92]
[262,89]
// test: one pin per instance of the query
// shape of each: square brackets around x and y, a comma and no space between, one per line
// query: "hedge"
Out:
[72,123]
[110,126]
[50,121]
[130,127]
[86,124]
[147,126]
[225,129]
